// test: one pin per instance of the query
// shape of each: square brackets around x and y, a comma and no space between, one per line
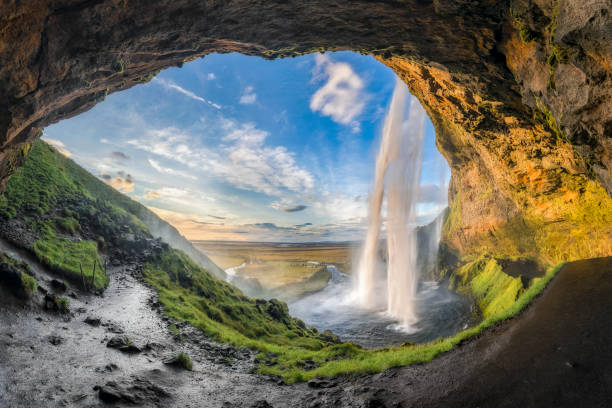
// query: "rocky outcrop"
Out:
[519,91]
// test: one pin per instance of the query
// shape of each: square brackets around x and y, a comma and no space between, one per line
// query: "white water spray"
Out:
[398,161]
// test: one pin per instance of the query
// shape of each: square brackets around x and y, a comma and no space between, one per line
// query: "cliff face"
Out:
[520,92]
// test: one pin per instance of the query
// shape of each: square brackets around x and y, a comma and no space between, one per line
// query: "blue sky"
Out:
[231,147]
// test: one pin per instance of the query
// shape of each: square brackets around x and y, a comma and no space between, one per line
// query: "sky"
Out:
[237,148]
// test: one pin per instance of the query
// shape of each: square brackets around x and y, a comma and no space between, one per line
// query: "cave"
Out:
[519,93]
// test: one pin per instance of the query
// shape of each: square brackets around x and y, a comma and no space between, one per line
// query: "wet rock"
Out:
[93,321]
[59,286]
[137,391]
[317,384]
[123,344]
[113,328]
[55,340]
[261,404]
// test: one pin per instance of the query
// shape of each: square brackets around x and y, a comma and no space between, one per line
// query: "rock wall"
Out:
[520,92]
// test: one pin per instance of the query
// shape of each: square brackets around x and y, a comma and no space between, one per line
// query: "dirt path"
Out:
[34,372]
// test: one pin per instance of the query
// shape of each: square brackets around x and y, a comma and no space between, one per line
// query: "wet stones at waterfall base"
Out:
[138,391]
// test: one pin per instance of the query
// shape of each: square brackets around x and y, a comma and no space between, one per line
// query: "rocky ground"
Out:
[555,354]
[64,359]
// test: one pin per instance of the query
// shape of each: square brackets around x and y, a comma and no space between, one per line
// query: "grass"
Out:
[69,258]
[184,360]
[29,284]
[284,343]
[62,304]
[54,198]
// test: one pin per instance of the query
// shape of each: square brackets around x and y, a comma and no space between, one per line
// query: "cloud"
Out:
[342,97]
[295,208]
[119,156]
[211,76]
[169,170]
[172,86]
[122,182]
[306,224]
[244,160]
[151,195]
[59,146]
[248,96]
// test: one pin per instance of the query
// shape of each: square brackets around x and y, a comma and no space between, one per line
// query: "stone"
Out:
[93,321]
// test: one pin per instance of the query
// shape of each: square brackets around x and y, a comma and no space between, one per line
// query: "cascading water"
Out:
[398,169]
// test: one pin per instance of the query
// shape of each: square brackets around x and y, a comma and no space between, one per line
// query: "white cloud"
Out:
[59,146]
[342,97]
[151,195]
[211,76]
[169,170]
[244,160]
[248,96]
[171,85]
[122,182]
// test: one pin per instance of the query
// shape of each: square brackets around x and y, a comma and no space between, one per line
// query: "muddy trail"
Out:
[556,353]
[50,360]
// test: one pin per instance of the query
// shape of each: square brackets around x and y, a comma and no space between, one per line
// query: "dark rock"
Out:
[55,340]
[136,391]
[123,344]
[317,383]
[261,404]
[59,286]
[93,321]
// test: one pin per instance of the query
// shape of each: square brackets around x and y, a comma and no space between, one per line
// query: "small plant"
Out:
[184,361]
[63,304]
[174,329]
[29,284]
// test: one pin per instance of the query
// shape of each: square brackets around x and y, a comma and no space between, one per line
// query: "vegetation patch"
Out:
[77,261]
[184,361]
[188,293]
[16,277]
[29,284]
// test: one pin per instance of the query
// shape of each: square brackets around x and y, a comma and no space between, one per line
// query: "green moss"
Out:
[29,284]
[493,290]
[453,220]
[525,34]
[551,122]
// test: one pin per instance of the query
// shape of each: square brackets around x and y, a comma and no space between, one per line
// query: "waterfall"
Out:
[398,167]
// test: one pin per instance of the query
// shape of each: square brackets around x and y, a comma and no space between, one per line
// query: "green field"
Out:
[283,271]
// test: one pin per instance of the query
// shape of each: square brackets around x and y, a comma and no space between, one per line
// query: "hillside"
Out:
[72,221]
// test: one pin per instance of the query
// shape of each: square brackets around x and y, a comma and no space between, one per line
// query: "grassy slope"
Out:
[32,195]
[189,293]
